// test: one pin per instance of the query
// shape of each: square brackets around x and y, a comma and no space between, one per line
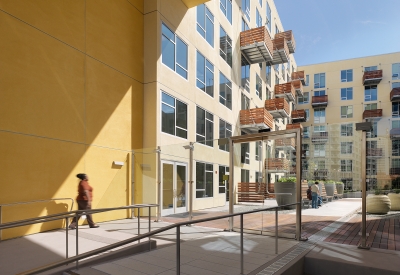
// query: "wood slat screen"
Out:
[372,75]
[277,104]
[372,113]
[258,191]
[319,99]
[284,88]
[395,93]
[297,75]
[288,35]
[255,116]
[256,35]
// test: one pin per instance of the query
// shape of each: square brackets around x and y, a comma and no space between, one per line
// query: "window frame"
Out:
[209,172]
[226,7]
[226,53]
[208,15]
[224,132]
[207,138]
[175,115]
[346,93]
[346,75]
[208,71]
[347,109]
[227,91]
[320,77]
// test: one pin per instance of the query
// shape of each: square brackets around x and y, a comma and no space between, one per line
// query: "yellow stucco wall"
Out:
[71,80]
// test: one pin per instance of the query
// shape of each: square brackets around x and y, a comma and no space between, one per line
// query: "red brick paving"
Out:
[383,232]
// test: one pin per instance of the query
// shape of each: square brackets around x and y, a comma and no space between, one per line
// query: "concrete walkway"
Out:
[204,249]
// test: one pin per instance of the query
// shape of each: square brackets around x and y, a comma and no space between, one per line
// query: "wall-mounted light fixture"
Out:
[119,163]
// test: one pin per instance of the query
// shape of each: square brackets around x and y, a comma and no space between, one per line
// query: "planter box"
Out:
[394,201]
[378,204]
[285,187]
[340,189]
[330,189]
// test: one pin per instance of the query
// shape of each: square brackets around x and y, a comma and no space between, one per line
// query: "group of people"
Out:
[315,194]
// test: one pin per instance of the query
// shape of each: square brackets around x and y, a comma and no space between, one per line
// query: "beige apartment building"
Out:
[336,96]
[221,69]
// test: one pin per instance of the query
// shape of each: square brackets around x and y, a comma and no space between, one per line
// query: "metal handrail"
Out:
[28,202]
[160,230]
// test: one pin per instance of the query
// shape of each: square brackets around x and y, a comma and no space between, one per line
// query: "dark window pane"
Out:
[168,119]
[168,53]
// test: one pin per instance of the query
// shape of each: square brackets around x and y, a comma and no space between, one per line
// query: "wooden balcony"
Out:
[372,113]
[374,152]
[319,101]
[288,35]
[280,51]
[294,126]
[299,116]
[319,137]
[299,76]
[285,90]
[278,107]
[277,165]
[257,45]
[193,3]
[287,143]
[395,133]
[298,87]
[395,94]
[256,119]
[372,77]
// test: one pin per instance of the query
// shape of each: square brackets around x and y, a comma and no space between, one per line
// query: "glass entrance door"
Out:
[174,182]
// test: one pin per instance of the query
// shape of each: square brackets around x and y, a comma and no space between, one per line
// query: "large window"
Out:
[226,8]
[258,19]
[395,85]
[174,116]
[244,175]
[371,167]
[346,93]
[245,153]
[346,165]
[307,111]
[258,86]
[225,131]
[371,93]
[205,75]
[346,75]
[269,18]
[245,104]
[225,46]
[346,130]
[396,71]
[395,109]
[370,68]
[372,106]
[319,115]
[246,8]
[174,52]
[268,74]
[204,127]
[225,91]
[307,80]
[258,146]
[223,171]
[319,150]
[305,99]
[204,180]
[346,147]
[319,93]
[319,80]
[205,23]
[374,132]
[245,26]
[245,74]
[306,132]
[346,111]
[396,147]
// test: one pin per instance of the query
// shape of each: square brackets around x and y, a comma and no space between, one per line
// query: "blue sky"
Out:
[329,30]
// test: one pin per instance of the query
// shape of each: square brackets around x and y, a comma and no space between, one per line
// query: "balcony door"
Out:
[174,186]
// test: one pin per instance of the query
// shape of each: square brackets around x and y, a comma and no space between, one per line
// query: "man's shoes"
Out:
[71,226]
[94,226]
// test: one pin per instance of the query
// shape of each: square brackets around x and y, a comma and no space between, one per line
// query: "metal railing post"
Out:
[231,194]
[0,222]
[76,239]
[138,223]
[178,250]
[191,181]
[276,230]
[66,238]
[241,246]
[149,227]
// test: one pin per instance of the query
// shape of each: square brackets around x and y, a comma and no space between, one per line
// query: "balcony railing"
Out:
[319,137]
[299,116]
[294,126]
[288,143]
[372,113]
[299,76]
[257,45]
[285,90]
[256,119]
[319,101]
[288,35]
[277,165]
[280,51]
[374,152]
[372,77]
[277,107]
[298,86]
[395,94]
[395,133]
[394,171]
